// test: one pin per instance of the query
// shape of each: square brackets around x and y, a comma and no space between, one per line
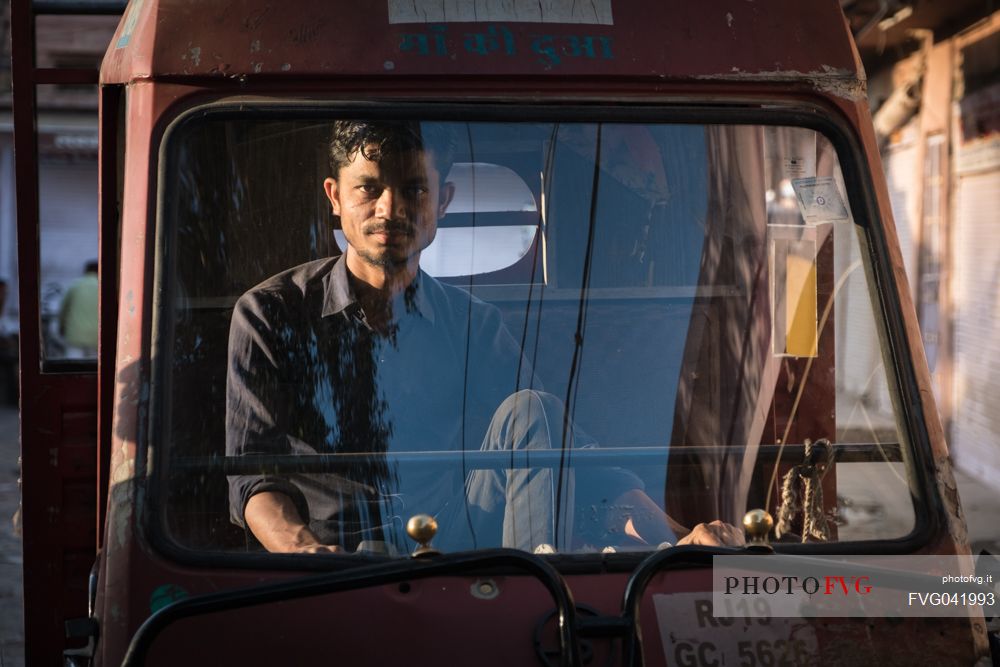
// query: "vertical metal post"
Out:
[58,410]
[111,98]
[22,29]
[38,623]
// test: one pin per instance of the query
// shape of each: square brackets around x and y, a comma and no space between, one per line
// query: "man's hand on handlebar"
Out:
[274,520]
[715,534]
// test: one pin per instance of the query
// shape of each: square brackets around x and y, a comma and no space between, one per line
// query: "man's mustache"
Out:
[388,228]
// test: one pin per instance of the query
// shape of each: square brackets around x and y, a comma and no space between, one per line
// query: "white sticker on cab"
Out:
[594,12]
[819,199]
[692,635]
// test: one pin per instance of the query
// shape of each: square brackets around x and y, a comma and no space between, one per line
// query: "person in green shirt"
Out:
[78,315]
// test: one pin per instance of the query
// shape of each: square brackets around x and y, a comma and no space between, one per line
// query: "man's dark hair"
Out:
[375,138]
[90,267]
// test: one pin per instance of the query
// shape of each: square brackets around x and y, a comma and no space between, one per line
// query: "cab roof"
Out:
[320,39]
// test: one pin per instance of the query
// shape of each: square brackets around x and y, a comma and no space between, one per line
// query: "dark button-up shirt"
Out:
[307,375]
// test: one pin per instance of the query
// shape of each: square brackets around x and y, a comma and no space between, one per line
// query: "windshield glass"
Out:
[562,337]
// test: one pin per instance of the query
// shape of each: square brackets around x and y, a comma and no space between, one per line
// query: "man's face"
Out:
[389,209]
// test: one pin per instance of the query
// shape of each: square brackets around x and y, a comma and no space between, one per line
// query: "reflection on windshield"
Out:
[557,337]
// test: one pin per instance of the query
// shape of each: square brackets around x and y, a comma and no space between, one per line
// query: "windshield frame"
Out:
[822,118]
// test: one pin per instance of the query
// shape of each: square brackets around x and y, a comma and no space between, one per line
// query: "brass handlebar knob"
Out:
[758,524]
[422,528]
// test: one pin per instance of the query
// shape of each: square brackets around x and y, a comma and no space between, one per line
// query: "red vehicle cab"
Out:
[671,215]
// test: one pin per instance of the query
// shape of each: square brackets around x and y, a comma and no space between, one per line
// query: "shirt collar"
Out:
[338,296]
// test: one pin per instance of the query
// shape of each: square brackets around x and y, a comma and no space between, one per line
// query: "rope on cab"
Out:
[802,493]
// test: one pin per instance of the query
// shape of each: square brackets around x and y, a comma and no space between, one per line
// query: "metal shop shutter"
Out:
[976,262]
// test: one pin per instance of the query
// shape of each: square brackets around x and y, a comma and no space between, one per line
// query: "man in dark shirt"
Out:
[367,354]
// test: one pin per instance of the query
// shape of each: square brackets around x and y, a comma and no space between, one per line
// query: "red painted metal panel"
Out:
[678,40]
[58,411]
[125,563]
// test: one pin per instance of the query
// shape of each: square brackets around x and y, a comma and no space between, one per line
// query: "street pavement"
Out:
[11,598]
[980,501]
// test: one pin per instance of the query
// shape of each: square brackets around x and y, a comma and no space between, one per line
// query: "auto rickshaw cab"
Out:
[672,216]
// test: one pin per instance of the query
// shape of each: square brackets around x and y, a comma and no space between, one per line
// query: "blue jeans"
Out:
[523,507]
